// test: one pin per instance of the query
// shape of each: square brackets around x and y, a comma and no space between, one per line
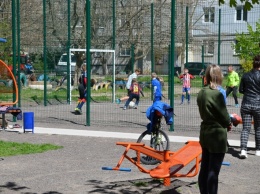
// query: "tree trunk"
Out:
[104,66]
[104,69]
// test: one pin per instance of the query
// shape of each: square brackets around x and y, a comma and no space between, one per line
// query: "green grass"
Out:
[101,98]
[141,184]
[99,95]
[14,148]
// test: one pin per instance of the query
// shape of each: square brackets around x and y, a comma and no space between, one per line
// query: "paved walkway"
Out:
[120,135]
[76,168]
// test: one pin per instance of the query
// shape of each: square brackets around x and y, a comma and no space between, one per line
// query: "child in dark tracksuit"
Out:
[135,91]
[82,89]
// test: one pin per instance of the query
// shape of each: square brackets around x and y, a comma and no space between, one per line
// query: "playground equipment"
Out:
[182,163]
[158,150]
[6,76]
[7,93]
[171,162]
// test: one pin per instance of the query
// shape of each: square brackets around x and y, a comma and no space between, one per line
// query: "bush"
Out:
[247,65]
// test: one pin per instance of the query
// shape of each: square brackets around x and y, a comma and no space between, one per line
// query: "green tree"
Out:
[5,48]
[248,3]
[248,45]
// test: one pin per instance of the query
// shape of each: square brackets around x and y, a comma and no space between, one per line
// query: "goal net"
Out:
[95,51]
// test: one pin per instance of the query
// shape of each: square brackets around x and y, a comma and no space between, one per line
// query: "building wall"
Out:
[203,31]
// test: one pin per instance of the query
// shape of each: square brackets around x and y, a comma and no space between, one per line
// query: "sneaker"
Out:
[237,105]
[17,126]
[118,101]
[181,103]
[135,107]
[78,111]
[243,154]
[10,126]
[124,108]
[188,102]
[257,153]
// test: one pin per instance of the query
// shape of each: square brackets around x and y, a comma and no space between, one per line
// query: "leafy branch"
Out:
[248,4]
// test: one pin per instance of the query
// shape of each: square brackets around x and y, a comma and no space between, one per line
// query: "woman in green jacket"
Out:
[213,130]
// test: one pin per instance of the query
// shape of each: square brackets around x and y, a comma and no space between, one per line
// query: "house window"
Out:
[241,14]
[209,14]
[235,47]
[125,52]
[208,47]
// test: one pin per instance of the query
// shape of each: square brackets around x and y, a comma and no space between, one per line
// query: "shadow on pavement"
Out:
[143,186]
[235,151]
[69,121]
[13,187]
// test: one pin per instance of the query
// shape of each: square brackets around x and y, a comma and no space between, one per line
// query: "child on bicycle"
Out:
[159,109]
[135,91]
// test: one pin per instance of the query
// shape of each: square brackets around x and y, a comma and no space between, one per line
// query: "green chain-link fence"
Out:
[44,32]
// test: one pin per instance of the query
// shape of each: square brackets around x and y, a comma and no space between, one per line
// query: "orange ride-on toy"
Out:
[185,162]
[171,162]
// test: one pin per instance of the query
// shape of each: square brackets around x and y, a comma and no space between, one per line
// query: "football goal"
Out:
[95,51]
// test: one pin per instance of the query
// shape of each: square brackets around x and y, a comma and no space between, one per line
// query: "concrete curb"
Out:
[121,135]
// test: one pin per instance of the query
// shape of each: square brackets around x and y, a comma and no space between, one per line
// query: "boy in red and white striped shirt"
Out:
[186,77]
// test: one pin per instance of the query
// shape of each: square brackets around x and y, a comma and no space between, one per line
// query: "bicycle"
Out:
[158,139]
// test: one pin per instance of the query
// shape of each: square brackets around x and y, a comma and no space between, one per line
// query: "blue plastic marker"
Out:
[120,169]
[226,163]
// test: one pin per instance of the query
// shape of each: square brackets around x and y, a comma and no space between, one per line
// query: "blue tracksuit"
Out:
[157,90]
[165,109]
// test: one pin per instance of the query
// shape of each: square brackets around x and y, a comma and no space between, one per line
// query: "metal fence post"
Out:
[172,56]
[88,46]
[68,54]
[219,31]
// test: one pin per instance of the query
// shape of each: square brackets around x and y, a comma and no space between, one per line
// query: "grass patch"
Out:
[141,184]
[103,95]
[102,98]
[14,148]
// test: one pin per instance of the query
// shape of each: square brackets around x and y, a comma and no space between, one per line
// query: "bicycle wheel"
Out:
[159,141]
